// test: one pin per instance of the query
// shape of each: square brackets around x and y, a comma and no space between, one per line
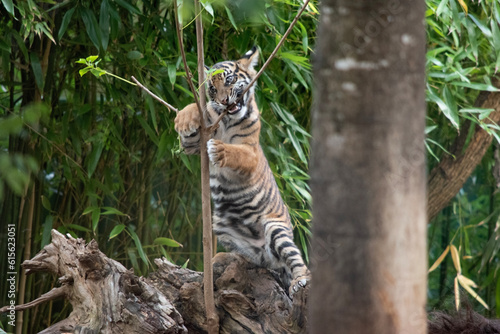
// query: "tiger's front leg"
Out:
[187,125]
[240,157]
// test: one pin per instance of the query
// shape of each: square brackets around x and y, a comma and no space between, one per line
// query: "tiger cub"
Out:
[250,217]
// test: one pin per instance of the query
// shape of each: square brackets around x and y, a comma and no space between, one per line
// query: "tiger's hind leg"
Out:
[282,249]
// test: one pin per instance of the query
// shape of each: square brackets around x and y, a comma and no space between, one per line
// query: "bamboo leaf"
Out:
[481,25]
[477,86]
[95,219]
[131,8]
[442,7]
[78,228]
[464,6]
[89,210]
[447,111]
[134,55]
[47,228]
[167,242]
[93,158]
[37,70]
[112,211]
[65,22]
[439,259]
[172,73]
[116,231]
[467,281]
[457,294]
[9,6]
[231,18]
[46,203]
[471,291]
[138,244]
[456,259]
[92,28]
[104,17]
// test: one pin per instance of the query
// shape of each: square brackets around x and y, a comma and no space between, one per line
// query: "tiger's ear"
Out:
[250,59]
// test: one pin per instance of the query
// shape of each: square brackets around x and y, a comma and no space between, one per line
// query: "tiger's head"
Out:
[224,88]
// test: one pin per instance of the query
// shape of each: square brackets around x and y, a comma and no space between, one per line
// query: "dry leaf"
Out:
[456,259]
[472,292]
[439,259]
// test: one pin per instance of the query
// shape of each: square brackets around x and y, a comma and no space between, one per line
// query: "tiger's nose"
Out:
[224,102]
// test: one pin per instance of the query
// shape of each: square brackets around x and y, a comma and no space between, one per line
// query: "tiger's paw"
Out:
[187,121]
[298,284]
[215,149]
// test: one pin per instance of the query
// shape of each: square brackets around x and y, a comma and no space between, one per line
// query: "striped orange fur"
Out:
[250,217]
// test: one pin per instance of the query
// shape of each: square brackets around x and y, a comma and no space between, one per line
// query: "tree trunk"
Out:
[448,177]
[108,298]
[368,257]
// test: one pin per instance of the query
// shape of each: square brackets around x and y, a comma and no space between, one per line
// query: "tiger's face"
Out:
[224,88]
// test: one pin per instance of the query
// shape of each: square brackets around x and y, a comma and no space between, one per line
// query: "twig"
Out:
[52,294]
[169,106]
[212,318]
[273,54]
[189,75]
[215,125]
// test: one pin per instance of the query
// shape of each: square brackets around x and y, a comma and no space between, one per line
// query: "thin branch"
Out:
[273,54]
[189,75]
[215,125]
[212,318]
[51,295]
[169,106]
[208,281]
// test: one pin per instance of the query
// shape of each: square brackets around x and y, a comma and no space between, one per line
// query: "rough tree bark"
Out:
[107,298]
[447,178]
[368,169]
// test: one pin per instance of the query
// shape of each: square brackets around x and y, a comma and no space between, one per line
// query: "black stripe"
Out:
[260,203]
[292,253]
[297,265]
[276,231]
[250,124]
[285,245]
[242,135]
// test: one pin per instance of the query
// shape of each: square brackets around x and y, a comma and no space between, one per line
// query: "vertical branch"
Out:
[208,282]
[212,318]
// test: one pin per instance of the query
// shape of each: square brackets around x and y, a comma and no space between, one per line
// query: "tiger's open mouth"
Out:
[234,108]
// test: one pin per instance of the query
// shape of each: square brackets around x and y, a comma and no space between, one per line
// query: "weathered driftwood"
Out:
[108,298]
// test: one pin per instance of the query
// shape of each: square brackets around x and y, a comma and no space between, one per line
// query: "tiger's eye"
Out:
[230,79]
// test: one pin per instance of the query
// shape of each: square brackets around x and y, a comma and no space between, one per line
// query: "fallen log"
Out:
[108,298]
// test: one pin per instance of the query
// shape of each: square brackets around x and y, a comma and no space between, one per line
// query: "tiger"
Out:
[249,215]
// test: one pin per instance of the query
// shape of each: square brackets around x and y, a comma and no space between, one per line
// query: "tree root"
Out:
[108,298]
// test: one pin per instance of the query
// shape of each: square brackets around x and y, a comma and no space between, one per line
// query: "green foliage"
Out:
[463,59]
[463,56]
